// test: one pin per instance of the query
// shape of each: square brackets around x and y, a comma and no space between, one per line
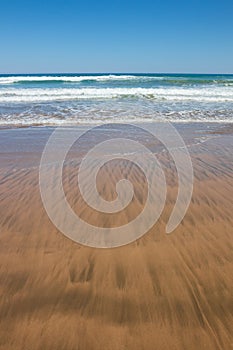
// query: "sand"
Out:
[160,292]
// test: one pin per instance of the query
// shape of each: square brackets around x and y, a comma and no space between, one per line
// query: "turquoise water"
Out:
[65,99]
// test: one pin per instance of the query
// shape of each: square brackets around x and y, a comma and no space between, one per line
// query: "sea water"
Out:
[73,99]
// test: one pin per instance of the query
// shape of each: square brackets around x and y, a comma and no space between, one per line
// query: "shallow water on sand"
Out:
[164,291]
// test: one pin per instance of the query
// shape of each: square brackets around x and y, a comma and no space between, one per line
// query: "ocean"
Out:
[73,99]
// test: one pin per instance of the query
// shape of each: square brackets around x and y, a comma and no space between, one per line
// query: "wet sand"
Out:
[161,292]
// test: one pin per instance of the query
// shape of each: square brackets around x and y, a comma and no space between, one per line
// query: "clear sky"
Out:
[41,36]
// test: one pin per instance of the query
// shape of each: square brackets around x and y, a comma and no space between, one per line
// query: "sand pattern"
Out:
[161,292]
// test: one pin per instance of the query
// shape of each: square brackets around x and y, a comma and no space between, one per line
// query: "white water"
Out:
[218,94]
[87,99]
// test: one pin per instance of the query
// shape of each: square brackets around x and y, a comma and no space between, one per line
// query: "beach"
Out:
[163,291]
[116,175]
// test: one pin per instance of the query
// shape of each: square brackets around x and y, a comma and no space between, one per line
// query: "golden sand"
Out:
[161,292]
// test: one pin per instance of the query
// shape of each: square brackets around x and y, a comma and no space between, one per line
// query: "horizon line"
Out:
[84,73]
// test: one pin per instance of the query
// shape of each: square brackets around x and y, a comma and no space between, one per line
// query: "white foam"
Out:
[45,78]
[98,121]
[219,94]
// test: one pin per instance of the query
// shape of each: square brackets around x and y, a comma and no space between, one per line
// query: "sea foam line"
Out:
[19,79]
[166,94]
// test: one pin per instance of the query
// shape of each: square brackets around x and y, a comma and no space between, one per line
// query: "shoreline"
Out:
[175,122]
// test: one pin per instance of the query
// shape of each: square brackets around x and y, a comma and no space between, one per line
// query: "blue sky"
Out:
[116,36]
